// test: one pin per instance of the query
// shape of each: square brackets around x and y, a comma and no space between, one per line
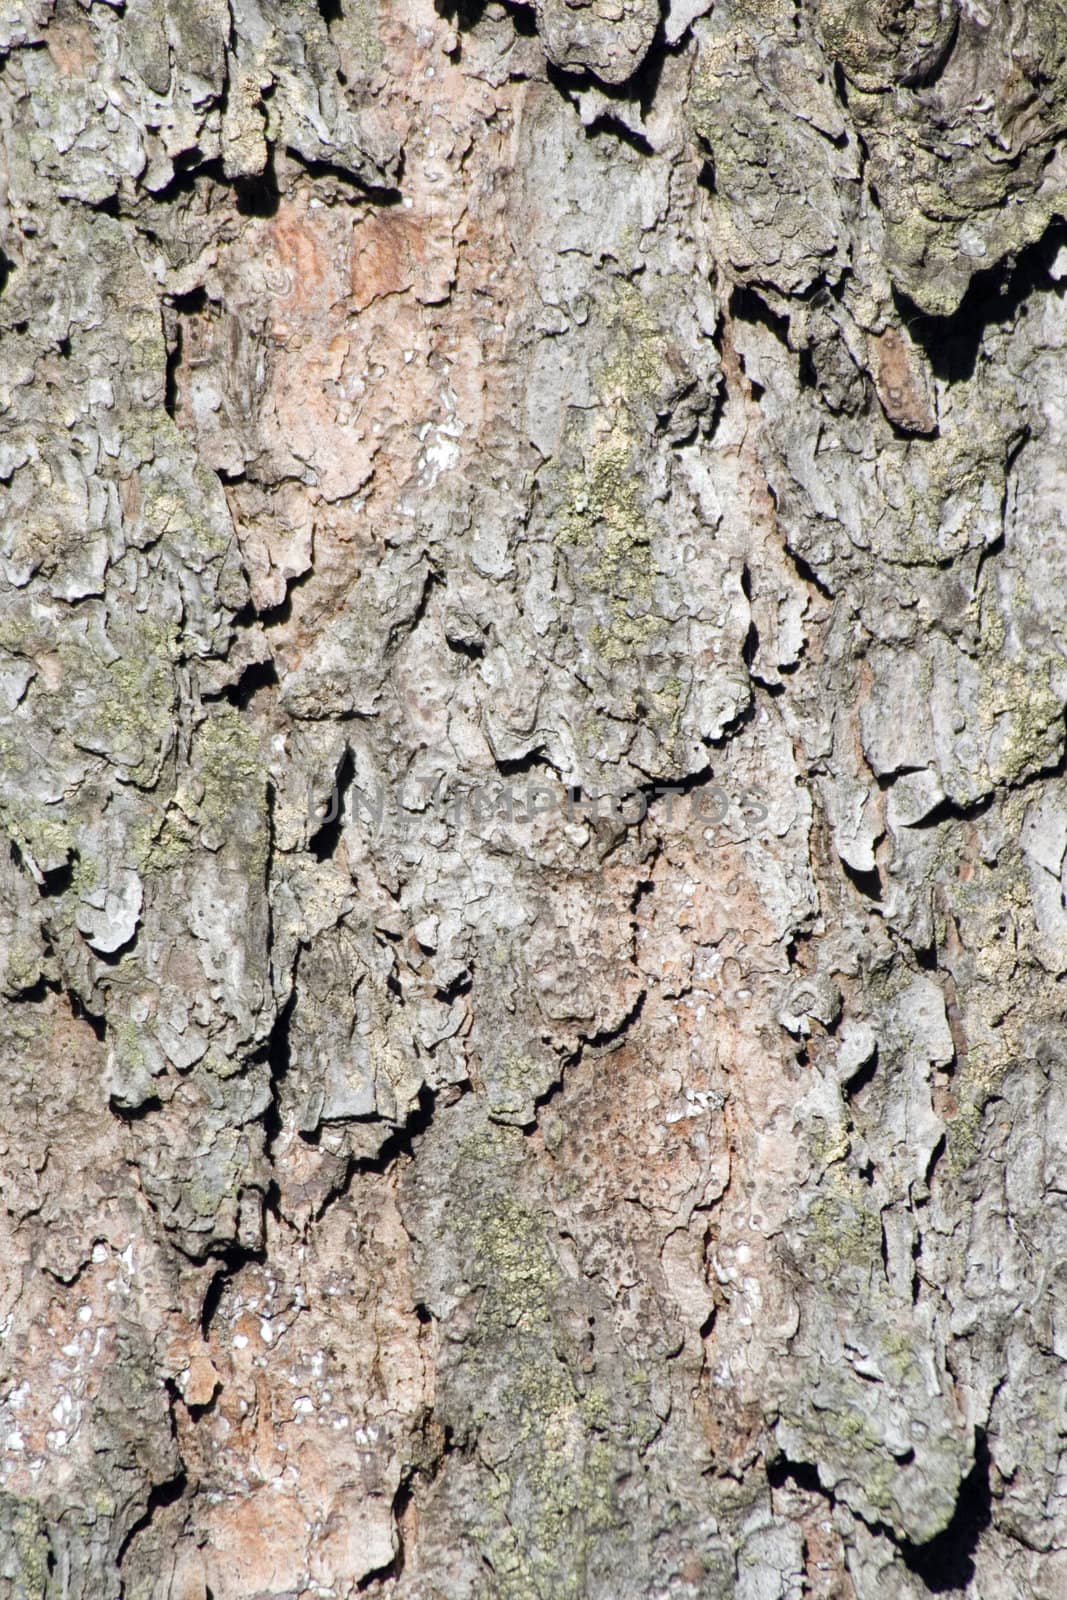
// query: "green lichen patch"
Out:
[845,1233]
[26,1558]
[638,365]
[125,708]
[604,525]
[1027,717]
[553,1496]
[222,801]
[511,1250]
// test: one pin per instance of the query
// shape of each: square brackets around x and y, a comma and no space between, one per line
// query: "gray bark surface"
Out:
[533,655]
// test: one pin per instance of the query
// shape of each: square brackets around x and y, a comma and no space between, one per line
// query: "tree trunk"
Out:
[533,652]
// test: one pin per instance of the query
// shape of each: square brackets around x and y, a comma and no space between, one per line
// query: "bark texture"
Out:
[423,1175]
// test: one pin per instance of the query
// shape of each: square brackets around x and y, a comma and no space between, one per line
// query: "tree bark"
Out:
[533,657]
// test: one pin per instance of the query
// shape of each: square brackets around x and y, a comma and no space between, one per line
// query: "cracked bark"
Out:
[532,890]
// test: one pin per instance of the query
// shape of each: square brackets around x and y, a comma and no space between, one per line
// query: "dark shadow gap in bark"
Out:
[399,1143]
[57,880]
[916,1275]
[465,647]
[748,305]
[324,841]
[859,1080]
[257,675]
[641,85]
[534,760]
[170,372]
[273,616]
[189,303]
[800,1474]
[750,648]
[613,127]
[409,625]
[138,1113]
[660,790]
[935,1156]
[599,1043]
[643,887]
[160,1496]
[732,728]
[439,1443]
[806,373]
[803,568]
[393,1569]
[256,195]
[232,1259]
[869,883]
[466,14]
[189,165]
[609,1036]
[112,958]
[460,985]
[886,780]
[841,84]
[259,196]
[953,811]
[994,296]
[213,1299]
[1016,446]
[278,1063]
[945,1564]
[542,1101]
[926,75]
[34,994]
[108,207]
[380,194]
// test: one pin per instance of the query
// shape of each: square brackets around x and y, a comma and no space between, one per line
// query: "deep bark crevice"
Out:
[324,841]
[994,297]
[945,1564]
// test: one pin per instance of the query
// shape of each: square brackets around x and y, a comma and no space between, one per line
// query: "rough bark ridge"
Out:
[420,1177]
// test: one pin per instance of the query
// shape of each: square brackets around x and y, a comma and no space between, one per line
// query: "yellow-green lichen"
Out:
[47,841]
[125,707]
[846,1233]
[638,364]
[542,1508]
[358,28]
[223,801]
[511,1247]
[513,1083]
[126,1044]
[603,522]
[829,1143]
[1020,698]
[30,1549]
